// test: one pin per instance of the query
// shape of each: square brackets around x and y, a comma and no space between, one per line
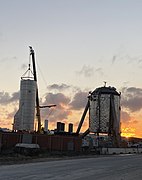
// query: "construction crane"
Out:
[37,95]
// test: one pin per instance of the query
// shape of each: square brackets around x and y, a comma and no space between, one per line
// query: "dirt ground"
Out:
[10,159]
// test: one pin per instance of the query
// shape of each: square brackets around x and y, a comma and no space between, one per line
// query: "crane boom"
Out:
[37,96]
[49,106]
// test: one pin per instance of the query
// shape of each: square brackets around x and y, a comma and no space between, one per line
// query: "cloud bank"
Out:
[132,98]
[60,87]
[6,98]
[70,104]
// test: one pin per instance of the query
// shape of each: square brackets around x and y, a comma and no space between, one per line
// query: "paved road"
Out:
[123,167]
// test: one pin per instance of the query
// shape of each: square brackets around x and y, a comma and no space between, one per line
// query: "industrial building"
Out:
[103,107]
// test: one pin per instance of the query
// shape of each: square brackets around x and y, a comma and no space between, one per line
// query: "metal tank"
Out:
[24,118]
[70,128]
[104,111]
[46,125]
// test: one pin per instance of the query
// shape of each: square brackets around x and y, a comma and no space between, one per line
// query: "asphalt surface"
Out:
[118,167]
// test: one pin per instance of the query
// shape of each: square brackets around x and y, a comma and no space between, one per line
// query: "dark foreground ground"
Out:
[9,159]
[116,167]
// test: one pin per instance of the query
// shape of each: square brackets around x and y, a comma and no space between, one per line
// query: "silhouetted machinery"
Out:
[104,113]
[29,99]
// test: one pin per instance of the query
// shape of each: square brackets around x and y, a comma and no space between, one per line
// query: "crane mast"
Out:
[37,95]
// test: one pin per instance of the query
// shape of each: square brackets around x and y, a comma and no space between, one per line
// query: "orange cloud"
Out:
[128,132]
[69,109]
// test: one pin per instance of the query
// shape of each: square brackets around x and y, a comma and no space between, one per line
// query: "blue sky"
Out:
[80,43]
[103,36]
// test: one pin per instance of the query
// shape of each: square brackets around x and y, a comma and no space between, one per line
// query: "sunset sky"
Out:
[79,44]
